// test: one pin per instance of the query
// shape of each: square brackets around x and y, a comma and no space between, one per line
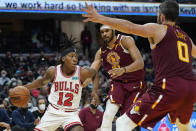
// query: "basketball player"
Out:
[65,93]
[174,89]
[123,62]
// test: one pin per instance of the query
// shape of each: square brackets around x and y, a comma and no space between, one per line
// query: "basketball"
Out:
[19,96]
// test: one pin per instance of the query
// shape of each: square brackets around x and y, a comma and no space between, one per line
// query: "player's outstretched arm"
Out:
[40,82]
[193,49]
[146,30]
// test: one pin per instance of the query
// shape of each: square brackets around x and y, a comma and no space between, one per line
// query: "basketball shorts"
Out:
[124,94]
[174,96]
[54,118]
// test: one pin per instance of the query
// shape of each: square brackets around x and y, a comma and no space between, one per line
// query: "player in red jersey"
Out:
[174,89]
[65,92]
[123,62]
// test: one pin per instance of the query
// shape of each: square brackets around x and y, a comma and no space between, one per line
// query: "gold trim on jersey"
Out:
[170,120]
[112,87]
[136,97]
[157,101]
[142,120]
[141,84]
[113,45]
[166,27]
[164,84]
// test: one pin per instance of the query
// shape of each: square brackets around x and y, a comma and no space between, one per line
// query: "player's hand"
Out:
[5,125]
[92,14]
[36,122]
[86,82]
[116,72]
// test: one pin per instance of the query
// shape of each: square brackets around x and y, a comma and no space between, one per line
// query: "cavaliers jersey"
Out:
[117,57]
[172,55]
[66,90]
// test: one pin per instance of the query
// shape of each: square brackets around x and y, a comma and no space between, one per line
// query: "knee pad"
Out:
[124,123]
[120,121]
[107,119]
[110,112]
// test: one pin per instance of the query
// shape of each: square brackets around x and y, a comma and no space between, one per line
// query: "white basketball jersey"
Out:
[66,90]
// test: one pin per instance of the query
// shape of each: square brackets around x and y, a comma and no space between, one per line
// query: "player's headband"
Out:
[68,50]
[106,27]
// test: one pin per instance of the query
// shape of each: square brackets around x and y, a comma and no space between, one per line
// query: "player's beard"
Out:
[110,39]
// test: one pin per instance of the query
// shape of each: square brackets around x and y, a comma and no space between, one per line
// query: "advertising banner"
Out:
[75,7]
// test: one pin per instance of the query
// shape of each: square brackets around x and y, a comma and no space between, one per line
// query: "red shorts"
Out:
[175,97]
[125,94]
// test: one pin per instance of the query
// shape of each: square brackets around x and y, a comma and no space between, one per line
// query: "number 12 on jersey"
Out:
[68,101]
[181,45]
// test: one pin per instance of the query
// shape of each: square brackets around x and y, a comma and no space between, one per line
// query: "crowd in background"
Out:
[24,68]
[19,70]
[33,42]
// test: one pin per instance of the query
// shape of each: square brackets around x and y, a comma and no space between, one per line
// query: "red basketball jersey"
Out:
[118,57]
[172,55]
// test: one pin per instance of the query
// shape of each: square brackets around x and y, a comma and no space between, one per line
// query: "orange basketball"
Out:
[19,96]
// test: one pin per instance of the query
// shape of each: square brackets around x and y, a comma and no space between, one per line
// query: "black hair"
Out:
[170,9]
[67,43]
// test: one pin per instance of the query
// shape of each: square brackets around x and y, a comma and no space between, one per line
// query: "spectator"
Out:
[85,97]
[4,120]
[8,107]
[4,79]
[31,59]
[42,60]
[17,77]
[84,62]
[22,118]
[86,40]
[41,105]
[91,117]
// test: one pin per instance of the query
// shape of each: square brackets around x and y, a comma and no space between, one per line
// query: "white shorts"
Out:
[54,118]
